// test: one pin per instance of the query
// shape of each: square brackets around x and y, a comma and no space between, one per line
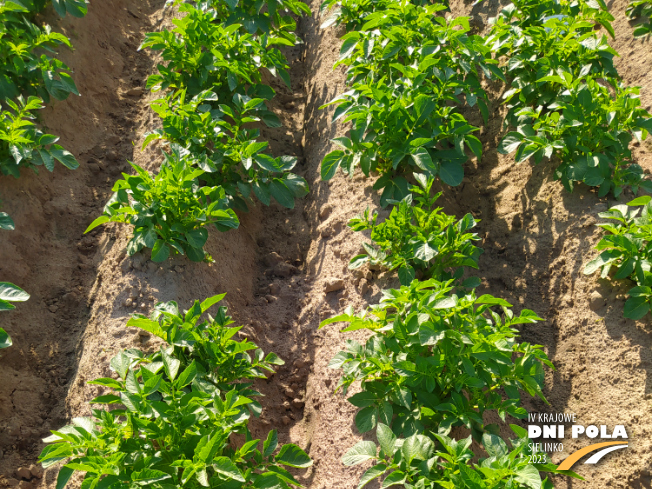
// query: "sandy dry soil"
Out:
[277,266]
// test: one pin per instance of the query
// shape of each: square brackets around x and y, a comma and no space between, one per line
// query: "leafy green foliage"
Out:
[227,151]
[169,211]
[233,61]
[76,8]
[353,13]
[173,413]
[641,10]
[407,69]
[262,17]
[566,98]
[627,252]
[29,69]
[437,360]
[23,144]
[438,356]
[212,93]
[6,222]
[422,462]
[9,293]
[214,125]
[418,237]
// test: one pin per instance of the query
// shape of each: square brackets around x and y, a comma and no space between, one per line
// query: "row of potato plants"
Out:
[178,416]
[439,357]
[406,67]
[175,417]
[566,99]
[213,100]
[30,75]
[410,72]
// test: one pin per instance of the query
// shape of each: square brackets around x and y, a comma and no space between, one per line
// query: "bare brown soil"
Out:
[277,266]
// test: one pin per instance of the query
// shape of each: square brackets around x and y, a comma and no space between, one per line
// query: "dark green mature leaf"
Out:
[451,173]
[330,164]
[6,222]
[293,456]
[5,339]
[636,307]
[366,419]
[361,452]
[160,251]
[225,467]
[197,237]
[64,157]
[282,193]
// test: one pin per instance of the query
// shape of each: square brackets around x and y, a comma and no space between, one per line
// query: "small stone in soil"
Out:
[36,470]
[325,211]
[333,284]
[596,300]
[24,473]
[135,92]
[284,270]
[364,287]
[285,420]
[272,259]
[274,289]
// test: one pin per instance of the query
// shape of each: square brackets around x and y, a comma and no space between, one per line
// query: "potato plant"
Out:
[234,60]
[438,360]
[172,413]
[215,124]
[418,237]
[30,74]
[352,13]
[23,144]
[641,10]
[418,461]
[228,151]
[170,211]
[212,94]
[26,50]
[271,18]
[408,68]
[9,293]
[626,252]
[566,99]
